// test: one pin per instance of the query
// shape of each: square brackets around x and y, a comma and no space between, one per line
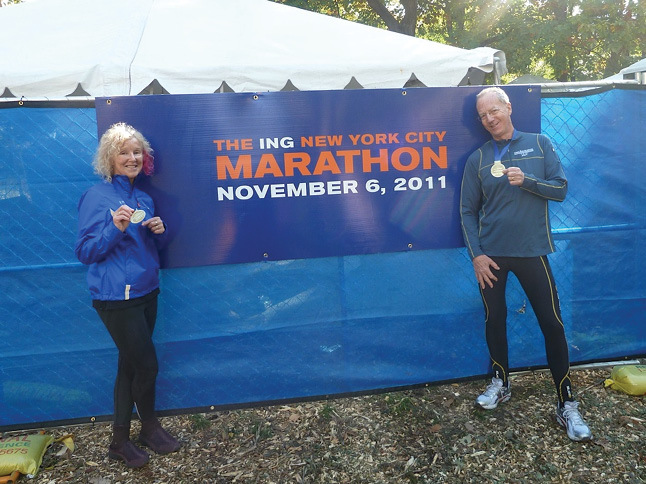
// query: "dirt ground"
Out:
[427,435]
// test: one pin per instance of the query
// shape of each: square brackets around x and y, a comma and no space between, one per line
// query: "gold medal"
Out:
[137,216]
[497,169]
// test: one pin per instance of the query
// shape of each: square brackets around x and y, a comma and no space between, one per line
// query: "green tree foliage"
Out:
[610,35]
[564,40]
[345,9]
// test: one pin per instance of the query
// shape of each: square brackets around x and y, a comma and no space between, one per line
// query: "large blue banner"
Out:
[289,175]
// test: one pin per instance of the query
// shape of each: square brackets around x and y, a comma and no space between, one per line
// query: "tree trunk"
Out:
[407,25]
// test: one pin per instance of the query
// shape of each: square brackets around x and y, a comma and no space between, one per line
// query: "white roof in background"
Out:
[118,47]
[639,66]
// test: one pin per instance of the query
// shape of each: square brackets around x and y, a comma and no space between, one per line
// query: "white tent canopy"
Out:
[639,66]
[119,47]
[635,71]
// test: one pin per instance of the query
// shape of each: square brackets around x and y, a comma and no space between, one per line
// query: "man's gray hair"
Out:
[500,94]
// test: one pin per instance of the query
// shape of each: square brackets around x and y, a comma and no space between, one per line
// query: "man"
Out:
[506,187]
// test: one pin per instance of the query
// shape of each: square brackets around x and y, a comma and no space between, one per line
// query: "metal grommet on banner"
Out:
[265,255]
[92,419]
[403,93]
[410,246]
[108,101]
[255,97]
[529,89]
[20,103]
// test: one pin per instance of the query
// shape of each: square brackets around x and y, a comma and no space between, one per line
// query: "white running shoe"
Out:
[570,418]
[494,394]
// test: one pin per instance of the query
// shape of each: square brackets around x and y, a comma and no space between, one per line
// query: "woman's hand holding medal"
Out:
[121,217]
[125,215]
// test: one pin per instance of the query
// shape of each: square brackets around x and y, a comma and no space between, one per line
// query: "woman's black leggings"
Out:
[536,279]
[131,329]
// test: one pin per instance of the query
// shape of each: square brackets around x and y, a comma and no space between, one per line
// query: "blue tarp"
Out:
[242,334]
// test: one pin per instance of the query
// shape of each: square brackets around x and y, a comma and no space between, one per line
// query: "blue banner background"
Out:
[280,330]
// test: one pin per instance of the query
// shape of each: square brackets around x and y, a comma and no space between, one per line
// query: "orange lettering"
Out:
[326,162]
[297,161]
[225,167]
[428,155]
[268,166]
[397,162]
[368,160]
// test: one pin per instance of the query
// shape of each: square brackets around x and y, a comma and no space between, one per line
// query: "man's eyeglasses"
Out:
[491,112]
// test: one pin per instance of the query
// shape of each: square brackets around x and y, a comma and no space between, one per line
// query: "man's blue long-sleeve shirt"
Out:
[499,219]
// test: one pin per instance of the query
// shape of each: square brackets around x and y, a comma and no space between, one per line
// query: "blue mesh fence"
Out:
[234,335]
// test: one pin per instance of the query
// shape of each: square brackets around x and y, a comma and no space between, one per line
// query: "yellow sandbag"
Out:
[23,453]
[630,379]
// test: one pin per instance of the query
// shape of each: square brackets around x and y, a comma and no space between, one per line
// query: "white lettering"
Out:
[282,190]
[524,152]
[269,143]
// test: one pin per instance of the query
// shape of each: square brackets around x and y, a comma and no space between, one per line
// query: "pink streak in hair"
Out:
[149,164]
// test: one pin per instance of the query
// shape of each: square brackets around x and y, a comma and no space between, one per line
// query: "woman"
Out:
[118,237]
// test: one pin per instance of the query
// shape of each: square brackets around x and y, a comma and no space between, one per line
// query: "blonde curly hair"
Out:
[111,143]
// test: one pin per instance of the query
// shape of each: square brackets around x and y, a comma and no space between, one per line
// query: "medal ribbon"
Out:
[498,154]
